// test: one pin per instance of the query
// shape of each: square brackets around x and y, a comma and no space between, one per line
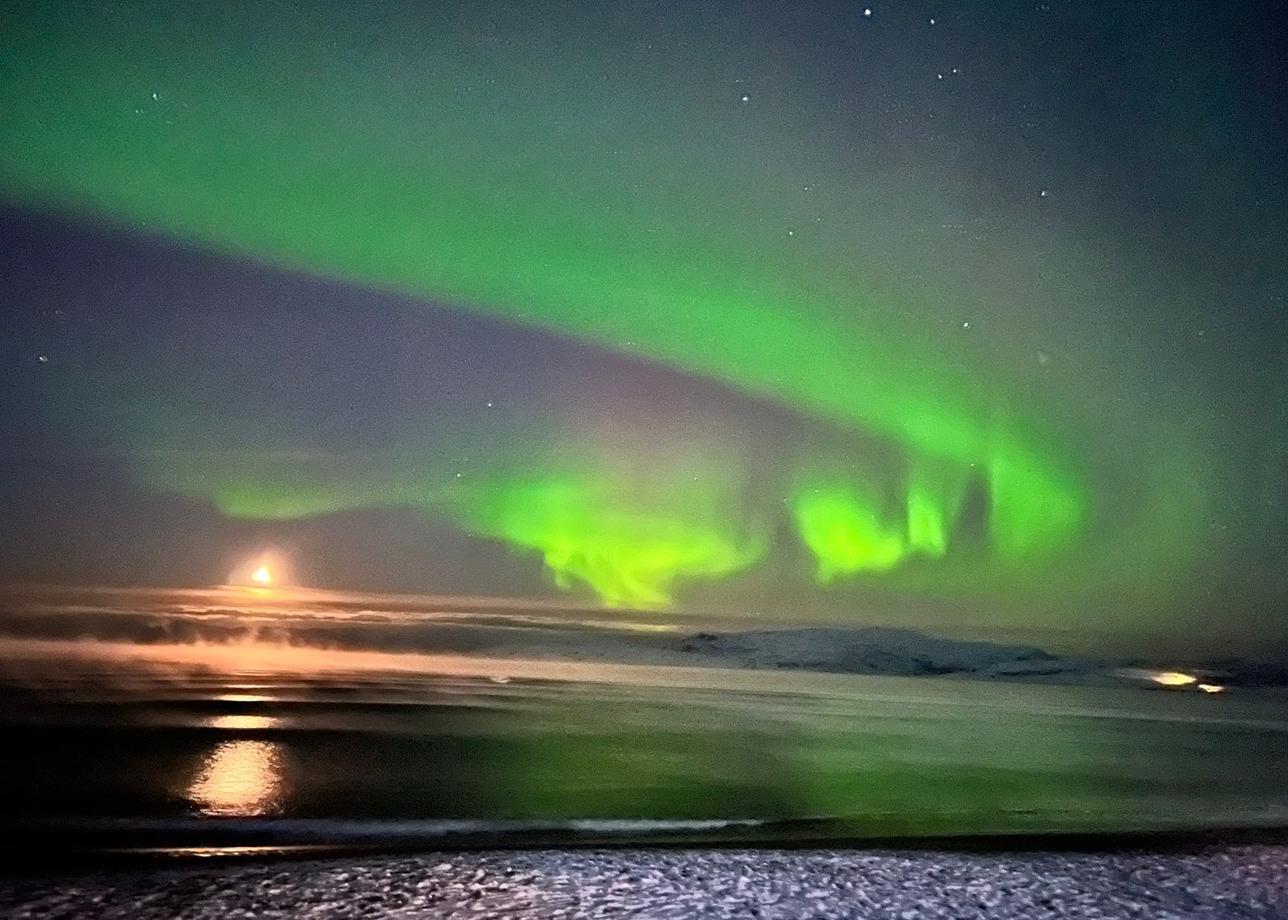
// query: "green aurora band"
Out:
[850,526]
[628,534]
[330,162]
[630,555]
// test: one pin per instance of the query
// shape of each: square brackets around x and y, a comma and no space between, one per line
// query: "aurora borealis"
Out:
[691,304]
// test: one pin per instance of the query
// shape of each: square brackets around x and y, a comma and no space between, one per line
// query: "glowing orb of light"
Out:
[268,568]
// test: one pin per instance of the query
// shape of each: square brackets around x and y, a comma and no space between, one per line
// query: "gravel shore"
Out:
[1233,882]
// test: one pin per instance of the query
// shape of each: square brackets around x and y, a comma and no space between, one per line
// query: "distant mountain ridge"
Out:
[878,650]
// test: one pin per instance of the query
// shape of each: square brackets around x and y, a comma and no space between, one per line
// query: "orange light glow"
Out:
[236,721]
[268,568]
[239,778]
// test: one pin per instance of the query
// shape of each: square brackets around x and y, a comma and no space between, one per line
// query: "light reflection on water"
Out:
[240,779]
[243,722]
[523,720]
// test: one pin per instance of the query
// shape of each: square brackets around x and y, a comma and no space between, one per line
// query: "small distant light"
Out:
[867,11]
[1212,688]
[43,359]
[1173,678]
[1044,194]
[744,98]
[932,20]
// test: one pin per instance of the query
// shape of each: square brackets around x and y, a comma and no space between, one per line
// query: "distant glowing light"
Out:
[1212,688]
[264,569]
[1173,678]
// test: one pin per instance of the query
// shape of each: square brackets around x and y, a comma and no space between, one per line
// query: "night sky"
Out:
[928,313]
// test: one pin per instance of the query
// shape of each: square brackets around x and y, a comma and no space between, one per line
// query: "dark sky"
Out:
[907,312]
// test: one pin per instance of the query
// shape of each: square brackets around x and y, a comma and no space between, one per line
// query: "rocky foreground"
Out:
[1217,882]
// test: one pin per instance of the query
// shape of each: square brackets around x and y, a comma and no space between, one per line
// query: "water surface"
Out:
[230,719]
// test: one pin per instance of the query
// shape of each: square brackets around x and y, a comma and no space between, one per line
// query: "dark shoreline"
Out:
[46,851]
